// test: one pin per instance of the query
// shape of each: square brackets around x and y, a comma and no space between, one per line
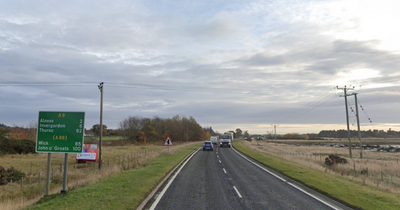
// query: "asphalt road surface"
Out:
[222,179]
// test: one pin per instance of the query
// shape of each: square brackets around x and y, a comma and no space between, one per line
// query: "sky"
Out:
[228,64]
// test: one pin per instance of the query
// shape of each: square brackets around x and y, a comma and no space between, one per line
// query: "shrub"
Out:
[25,147]
[334,159]
[9,175]
[10,146]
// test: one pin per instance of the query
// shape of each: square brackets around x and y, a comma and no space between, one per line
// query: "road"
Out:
[222,179]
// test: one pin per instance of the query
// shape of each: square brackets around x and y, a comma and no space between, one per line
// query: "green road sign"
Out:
[60,132]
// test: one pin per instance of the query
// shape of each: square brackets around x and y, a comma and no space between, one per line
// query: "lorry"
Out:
[225,140]
[214,140]
[230,134]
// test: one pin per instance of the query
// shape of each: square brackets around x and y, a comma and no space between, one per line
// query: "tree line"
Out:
[156,130]
[14,140]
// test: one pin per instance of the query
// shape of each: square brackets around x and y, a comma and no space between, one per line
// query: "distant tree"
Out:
[96,130]
[238,133]
[247,135]
[148,130]
[31,131]
[3,131]
[142,138]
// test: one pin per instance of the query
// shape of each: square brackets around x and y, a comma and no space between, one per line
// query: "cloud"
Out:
[250,63]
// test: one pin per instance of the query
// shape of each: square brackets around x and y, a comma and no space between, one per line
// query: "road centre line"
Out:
[153,206]
[237,191]
[219,161]
[291,184]
[224,170]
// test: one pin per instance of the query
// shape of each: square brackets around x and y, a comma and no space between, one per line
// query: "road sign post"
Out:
[60,132]
[168,142]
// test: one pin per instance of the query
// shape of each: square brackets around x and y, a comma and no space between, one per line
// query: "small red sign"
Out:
[168,142]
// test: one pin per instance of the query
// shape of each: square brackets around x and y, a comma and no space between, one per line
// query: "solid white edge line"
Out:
[153,206]
[237,191]
[224,170]
[291,184]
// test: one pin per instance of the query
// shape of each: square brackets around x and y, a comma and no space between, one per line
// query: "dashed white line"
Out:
[237,191]
[219,161]
[293,185]
[224,170]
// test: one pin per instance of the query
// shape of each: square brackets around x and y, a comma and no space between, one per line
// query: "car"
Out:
[208,146]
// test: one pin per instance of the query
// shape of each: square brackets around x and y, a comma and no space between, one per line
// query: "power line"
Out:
[47,83]
[362,108]
[190,88]
[320,100]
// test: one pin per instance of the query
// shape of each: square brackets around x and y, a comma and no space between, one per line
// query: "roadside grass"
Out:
[121,191]
[356,194]
[115,159]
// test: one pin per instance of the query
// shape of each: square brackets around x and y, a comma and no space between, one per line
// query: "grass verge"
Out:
[356,194]
[122,191]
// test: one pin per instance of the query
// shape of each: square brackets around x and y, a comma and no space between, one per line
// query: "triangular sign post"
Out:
[168,142]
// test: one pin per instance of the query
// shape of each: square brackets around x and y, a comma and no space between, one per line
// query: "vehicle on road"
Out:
[225,140]
[214,140]
[208,146]
[230,134]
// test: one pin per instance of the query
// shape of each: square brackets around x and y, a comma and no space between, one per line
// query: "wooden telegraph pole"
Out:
[345,89]
[101,121]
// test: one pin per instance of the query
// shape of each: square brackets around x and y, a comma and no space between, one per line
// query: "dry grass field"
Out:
[379,169]
[32,188]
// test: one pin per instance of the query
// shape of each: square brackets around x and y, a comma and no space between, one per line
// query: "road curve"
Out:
[222,179]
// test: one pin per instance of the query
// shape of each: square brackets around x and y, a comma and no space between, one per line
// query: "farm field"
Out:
[115,160]
[89,139]
[369,183]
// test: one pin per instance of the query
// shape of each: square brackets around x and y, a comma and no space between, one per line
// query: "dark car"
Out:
[208,146]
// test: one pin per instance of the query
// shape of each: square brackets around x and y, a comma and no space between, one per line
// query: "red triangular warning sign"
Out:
[168,142]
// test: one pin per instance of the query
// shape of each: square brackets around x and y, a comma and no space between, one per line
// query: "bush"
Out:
[334,159]
[9,146]
[9,175]
[25,147]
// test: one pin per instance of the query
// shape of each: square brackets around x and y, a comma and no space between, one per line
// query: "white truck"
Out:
[214,140]
[225,140]
[230,134]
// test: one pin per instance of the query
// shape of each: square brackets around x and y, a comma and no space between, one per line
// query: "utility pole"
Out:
[358,125]
[101,121]
[345,89]
[275,131]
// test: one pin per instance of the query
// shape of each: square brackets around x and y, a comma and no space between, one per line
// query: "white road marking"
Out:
[237,191]
[219,161]
[153,206]
[293,185]
[224,169]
